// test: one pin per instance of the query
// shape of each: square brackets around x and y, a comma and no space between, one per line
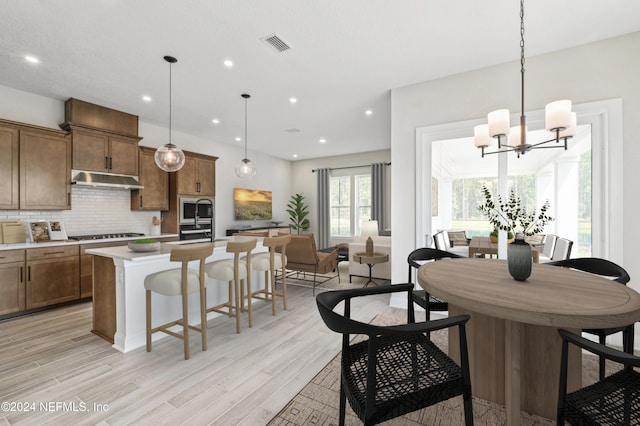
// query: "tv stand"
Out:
[260,231]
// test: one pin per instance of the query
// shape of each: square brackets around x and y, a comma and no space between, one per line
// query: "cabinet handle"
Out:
[28,273]
[141,201]
[110,163]
[68,199]
[22,274]
[106,163]
[54,252]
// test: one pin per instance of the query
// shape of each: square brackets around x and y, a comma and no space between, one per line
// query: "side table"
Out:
[370,261]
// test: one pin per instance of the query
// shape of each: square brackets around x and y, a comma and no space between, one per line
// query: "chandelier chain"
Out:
[522,56]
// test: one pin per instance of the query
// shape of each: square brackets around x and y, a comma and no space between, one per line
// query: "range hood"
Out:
[104,180]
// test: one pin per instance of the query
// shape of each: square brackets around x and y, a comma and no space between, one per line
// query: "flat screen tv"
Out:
[251,204]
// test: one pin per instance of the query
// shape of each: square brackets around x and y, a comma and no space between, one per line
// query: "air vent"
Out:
[276,42]
[292,130]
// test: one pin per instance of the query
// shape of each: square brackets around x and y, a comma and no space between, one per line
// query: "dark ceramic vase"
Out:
[519,259]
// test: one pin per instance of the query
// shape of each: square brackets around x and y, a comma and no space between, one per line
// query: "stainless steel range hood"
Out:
[104,180]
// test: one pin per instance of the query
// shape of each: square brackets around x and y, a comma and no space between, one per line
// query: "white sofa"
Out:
[380,245]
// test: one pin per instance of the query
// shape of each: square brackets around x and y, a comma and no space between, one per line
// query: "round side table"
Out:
[370,261]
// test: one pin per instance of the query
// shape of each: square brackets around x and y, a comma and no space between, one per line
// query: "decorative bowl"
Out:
[143,245]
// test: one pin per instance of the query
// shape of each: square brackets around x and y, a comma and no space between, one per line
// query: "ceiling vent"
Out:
[276,42]
[292,130]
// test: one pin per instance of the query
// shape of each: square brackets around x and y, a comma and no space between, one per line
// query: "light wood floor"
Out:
[242,379]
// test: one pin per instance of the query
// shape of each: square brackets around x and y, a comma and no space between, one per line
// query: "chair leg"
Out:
[343,405]
[148,297]
[270,287]
[602,340]
[185,324]
[237,306]
[249,304]
[284,289]
[203,316]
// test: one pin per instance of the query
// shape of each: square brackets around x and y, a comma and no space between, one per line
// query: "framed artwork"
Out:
[44,230]
[56,230]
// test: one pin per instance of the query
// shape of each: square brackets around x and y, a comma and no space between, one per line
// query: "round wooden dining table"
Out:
[514,347]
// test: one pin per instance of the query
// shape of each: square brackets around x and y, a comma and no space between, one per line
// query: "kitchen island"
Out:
[119,296]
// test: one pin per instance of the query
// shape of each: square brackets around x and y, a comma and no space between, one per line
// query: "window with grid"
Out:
[340,206]
[363,201]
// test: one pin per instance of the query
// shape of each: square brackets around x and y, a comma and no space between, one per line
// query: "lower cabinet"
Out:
[53,276]
[12,281]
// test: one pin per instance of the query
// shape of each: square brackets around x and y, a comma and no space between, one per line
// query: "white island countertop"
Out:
[119,294]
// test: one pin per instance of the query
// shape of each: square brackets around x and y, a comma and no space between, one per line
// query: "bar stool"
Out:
[270,262]
[233,271]
[180,282]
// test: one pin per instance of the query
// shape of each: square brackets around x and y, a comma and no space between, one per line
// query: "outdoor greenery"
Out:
[511,216]
[297,209]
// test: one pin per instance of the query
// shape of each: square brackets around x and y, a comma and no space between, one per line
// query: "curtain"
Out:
[324,214]
[379,194]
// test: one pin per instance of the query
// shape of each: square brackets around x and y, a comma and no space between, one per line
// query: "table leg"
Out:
[512,371]
[370,265]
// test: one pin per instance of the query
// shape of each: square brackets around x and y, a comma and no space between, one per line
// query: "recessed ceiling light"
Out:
[228,63]
[293,99]
[295,155]
[368,112]
[146,98]
[32,59]
[238,138]
[215,121]
[322,140]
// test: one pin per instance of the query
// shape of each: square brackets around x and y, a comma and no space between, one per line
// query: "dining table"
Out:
[513,343]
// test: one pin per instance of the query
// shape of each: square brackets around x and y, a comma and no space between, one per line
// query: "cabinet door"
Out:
[187,177]
[52,281]
[9,164]
[155,195]
[123,156]
[206,177]
[90,151]
[45,171]
[12,281]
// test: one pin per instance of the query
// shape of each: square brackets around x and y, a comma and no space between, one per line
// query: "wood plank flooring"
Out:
[54,371]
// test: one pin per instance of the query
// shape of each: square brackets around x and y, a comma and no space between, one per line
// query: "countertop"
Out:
[28,245]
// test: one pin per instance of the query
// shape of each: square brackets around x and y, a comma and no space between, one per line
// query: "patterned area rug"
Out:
[317,403]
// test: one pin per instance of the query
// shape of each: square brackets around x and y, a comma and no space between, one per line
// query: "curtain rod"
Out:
[347,167]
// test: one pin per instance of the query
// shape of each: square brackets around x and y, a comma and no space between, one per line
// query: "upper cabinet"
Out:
[198,176]
[155,195]
[35,168]
[100,151]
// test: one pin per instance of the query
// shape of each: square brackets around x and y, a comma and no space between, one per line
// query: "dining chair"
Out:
[423,299]
[562,249]
[270,262]
[180,282]
[237,273]
[547,248]
[613,400]
[608,269]
[397,369]
[441,240]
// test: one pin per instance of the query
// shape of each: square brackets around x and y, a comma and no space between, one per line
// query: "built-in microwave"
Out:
[189,207]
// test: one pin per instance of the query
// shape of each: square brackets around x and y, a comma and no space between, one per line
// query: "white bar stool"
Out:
[180,282]
[233,271]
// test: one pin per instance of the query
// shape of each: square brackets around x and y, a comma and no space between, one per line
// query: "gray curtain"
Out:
[379,194]
[324,214]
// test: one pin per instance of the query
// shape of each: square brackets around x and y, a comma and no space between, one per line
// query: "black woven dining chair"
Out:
[614,400]
[423,299]
[608,269]
[397,370]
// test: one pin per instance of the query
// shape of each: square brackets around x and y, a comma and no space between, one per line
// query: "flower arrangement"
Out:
[510,215]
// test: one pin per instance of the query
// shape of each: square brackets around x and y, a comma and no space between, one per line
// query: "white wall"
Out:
[109,210]
[304,180]
[592,72]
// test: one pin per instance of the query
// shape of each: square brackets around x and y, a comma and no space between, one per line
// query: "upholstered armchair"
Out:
[302,256]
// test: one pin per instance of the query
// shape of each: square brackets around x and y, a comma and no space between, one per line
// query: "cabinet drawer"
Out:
[7,256]
[52,252]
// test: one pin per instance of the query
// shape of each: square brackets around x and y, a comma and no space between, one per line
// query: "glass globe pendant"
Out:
[169,157]
[245,168]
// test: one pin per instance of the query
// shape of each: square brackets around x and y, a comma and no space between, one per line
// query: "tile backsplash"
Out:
[93,211]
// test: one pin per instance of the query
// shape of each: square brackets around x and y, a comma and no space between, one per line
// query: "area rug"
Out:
[331,281]
[317,403]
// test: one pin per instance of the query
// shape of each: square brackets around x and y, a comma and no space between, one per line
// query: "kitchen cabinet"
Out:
[198,176]
[45,170]
[9,168]
[155,195]
[53,275]
[12,281]
[101,151]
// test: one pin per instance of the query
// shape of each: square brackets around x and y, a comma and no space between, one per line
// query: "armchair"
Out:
[302,256]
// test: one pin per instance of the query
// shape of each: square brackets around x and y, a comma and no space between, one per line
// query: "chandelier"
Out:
[559,120]
[169,157]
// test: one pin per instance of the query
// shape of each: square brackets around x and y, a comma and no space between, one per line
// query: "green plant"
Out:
[297,209]
[510,215]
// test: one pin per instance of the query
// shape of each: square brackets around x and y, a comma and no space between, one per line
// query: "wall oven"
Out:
[196,218]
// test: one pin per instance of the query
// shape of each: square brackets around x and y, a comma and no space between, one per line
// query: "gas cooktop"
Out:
[106,236]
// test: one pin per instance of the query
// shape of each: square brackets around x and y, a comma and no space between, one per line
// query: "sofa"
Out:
[381,244]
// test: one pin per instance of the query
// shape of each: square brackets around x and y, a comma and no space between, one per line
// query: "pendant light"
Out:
[245,168]
[169,157]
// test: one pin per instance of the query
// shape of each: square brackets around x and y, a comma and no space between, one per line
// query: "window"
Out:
[350,204]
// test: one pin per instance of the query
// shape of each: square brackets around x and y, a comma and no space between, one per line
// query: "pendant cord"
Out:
[522,117]
[170,103]
[245,128]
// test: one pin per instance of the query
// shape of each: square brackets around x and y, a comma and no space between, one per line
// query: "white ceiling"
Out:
[346,56]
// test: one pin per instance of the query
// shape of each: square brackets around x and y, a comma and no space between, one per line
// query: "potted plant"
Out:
[509,215]
[297,209]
